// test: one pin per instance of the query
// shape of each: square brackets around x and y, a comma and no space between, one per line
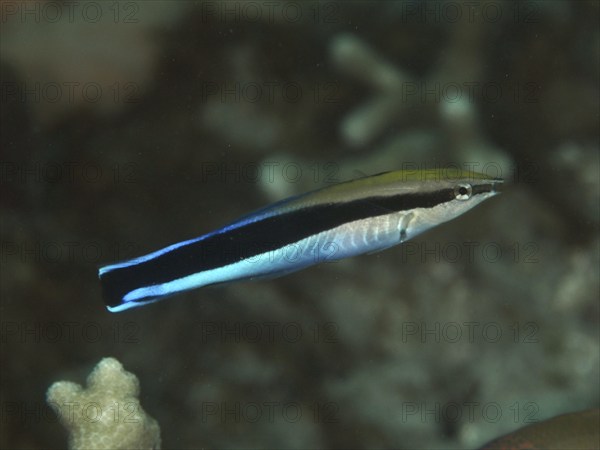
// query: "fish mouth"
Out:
[497,185]
[489,187]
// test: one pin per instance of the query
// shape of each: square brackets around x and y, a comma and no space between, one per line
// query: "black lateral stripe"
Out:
[255,238]
[484,188]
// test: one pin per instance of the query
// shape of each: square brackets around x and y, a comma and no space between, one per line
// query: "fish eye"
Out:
[463,191]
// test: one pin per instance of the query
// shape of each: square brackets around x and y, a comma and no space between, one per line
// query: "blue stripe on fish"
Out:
[332,223]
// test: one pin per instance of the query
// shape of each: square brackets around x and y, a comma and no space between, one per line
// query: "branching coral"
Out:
[443,98]
[107,414]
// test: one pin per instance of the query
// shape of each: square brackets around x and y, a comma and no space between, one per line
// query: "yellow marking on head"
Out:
[410,176]
[443,174]
[382,182]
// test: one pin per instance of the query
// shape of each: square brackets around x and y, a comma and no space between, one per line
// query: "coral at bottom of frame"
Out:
[107,413]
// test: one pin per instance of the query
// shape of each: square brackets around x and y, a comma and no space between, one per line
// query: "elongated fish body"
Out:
[360,216]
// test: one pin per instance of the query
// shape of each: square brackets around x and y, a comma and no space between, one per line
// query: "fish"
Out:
[364,215]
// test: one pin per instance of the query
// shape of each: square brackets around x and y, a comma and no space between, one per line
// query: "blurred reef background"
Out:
[127,126]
